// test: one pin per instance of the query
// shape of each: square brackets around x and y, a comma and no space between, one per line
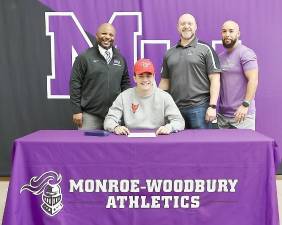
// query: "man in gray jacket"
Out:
[144,106]
[98,76]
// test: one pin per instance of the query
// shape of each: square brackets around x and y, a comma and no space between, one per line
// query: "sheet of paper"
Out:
[142,135]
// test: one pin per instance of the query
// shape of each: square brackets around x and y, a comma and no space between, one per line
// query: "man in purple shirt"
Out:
[239,80]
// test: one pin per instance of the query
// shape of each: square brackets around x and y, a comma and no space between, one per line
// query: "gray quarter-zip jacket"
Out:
[94,84]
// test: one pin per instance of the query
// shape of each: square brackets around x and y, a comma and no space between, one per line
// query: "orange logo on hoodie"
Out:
[134,107]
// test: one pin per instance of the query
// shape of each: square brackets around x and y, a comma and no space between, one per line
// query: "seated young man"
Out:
[145,106]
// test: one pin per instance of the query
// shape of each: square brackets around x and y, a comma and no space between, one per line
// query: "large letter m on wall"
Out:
[68,39]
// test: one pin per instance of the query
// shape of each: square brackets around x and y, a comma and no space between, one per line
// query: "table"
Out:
[193,177]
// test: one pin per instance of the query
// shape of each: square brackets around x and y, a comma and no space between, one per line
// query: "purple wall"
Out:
[260,23]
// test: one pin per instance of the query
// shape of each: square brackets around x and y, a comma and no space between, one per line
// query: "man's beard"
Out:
[190,37]
[230,45]
[100,42]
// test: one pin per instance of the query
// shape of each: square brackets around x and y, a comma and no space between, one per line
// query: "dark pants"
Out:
[195,117]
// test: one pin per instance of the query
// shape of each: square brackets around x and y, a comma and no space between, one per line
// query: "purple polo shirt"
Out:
[233,80]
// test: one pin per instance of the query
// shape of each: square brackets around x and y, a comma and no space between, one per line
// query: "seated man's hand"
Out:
[121,130]
[77,119]
[164,130]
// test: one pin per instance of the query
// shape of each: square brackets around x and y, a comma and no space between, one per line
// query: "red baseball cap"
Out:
[144,66]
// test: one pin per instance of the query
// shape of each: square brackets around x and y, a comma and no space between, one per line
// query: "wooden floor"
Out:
[4,187]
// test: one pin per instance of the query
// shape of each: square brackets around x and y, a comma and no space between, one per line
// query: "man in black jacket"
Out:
[98,76]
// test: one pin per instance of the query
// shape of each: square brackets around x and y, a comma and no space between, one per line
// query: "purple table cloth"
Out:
[206,177]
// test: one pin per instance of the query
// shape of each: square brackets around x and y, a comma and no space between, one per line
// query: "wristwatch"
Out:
[212,106]
[246,103]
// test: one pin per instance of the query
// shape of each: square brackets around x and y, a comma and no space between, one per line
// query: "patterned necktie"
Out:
[108,56]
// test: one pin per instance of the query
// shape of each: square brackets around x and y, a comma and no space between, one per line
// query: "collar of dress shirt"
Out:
[102,51]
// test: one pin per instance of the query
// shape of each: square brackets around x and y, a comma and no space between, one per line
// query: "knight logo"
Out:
[47,185]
